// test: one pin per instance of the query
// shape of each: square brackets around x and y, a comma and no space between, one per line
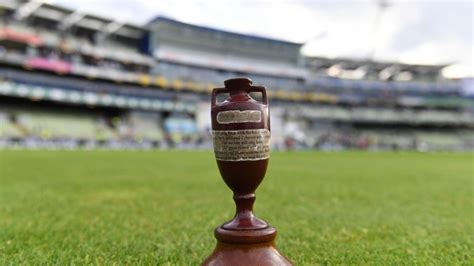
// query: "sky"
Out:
[418,32]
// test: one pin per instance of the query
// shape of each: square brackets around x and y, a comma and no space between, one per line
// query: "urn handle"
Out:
[214,95]
[217,91]
[262,90]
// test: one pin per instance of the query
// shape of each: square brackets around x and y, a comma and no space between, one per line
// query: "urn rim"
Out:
[238,83]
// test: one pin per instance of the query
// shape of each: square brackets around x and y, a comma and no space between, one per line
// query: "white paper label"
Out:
[241,145]
[236,116]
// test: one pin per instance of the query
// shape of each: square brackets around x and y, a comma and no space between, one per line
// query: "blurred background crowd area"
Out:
[70,80]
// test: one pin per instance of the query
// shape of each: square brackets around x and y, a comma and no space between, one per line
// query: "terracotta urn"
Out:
[241,138]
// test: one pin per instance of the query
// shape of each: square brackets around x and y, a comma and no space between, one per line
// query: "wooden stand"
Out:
[254,247]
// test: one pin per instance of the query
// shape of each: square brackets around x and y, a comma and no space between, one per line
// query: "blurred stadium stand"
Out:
[70,79]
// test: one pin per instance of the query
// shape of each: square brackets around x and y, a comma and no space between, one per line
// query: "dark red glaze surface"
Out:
[261,254]
[245,240]
[245,236]
[242,177]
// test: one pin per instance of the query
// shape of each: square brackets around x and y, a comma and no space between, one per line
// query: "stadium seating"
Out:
[146,129]
[58,125]
[8,129]
[85,80]
[208,75]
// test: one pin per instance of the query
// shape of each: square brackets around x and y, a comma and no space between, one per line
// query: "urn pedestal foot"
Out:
[252,247]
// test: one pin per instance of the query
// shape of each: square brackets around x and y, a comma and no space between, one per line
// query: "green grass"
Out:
[161,207]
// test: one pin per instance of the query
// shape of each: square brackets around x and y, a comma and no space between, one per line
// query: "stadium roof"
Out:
[360,68]
[229,33]
[352,63]
[67,17]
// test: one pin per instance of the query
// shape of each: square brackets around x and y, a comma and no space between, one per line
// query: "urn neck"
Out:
[238,86]
[238,93]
